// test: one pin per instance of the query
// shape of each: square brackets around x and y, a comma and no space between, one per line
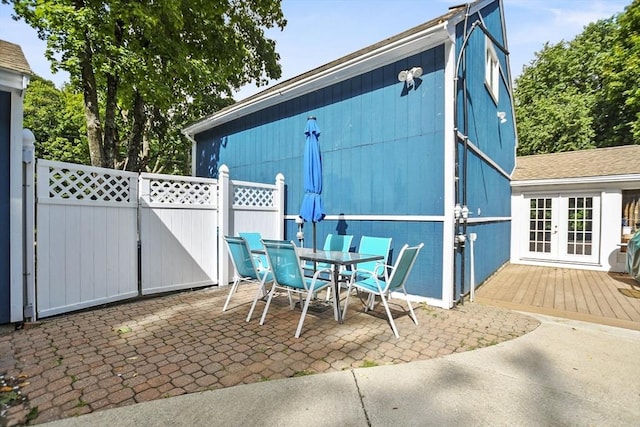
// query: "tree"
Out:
[137,62]
[622,79]
[559,100]
[55,117]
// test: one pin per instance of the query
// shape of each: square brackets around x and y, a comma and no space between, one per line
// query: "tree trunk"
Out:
[91,109]
[110,137]
[110,143]
[134,152]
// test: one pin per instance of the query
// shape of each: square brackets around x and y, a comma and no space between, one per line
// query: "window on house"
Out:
[491,70]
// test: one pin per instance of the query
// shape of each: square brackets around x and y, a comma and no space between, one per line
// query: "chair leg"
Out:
[259,294]
[406,298]
[346,302]
[232,291]
[266,307]
[386,307]
[304,313]
[328,295]
[262,290]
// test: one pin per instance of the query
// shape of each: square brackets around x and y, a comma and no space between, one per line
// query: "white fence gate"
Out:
[86,236]
[90,222]
[178,232]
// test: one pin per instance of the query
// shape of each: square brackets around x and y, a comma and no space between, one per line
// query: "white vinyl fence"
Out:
[178,232]
[105,235]
[86,236]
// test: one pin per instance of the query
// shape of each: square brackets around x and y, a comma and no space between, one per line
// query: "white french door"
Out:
[564,227]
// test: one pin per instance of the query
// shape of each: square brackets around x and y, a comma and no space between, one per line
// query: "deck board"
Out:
[596,296]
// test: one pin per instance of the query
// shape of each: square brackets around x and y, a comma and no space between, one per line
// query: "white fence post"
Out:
[225,202]
[279,202]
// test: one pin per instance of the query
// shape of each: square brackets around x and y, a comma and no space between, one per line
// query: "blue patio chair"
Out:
[255,243]
[245,269]
[333,242]
[374,246]
[371,283]
[285,265]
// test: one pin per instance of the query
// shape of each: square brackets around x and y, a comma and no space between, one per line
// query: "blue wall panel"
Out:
[493,238]
[379,141]
[484,129]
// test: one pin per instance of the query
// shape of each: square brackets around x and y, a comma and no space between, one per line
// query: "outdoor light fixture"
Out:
[407,76]
[502,116]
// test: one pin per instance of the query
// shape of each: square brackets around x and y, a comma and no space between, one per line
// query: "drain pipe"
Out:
[472,267]
[459,232]
[461,200]
[28,264]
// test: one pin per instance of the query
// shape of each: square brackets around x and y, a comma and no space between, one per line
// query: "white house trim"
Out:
[408,218]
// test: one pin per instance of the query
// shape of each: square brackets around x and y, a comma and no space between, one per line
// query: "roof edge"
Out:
[435,31]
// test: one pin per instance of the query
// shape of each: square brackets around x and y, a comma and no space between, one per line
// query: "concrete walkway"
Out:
[565,372]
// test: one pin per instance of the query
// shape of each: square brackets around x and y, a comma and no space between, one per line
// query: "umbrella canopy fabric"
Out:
[312,209]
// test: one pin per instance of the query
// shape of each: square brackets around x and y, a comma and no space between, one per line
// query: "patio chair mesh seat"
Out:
[255,243]
[372,246]
[244,265]
[372,283]
[285,265]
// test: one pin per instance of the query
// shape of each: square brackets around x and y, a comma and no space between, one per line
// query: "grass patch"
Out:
[302,373]
[368,364]
[33,414]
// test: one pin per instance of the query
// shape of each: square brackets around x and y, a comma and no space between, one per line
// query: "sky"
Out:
[321,31]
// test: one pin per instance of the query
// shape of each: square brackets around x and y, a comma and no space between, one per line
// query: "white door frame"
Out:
[562,227]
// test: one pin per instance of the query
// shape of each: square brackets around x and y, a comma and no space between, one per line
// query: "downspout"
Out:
[457,211]
[190,137]
[461,211]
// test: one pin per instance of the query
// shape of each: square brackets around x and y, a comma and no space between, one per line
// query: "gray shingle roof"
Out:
[621,160]
[12,58]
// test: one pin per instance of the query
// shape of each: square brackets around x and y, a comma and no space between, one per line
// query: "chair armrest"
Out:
[380,271]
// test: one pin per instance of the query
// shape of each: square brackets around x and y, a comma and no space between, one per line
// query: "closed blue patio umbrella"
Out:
[312,209]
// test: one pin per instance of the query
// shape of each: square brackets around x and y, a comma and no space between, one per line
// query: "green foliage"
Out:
[137,64]
[56,119]
[622,79]
[583,93]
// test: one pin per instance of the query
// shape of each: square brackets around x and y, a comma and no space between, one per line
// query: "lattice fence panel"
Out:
[247,196]
[84,183]
[181,192]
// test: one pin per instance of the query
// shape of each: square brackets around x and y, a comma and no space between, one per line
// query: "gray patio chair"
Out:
[371,282]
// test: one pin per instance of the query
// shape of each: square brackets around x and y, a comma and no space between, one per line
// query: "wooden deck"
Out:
[592,296]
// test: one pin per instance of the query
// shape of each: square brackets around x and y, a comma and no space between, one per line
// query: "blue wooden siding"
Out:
[495,139]
[485,190]
[5,144]
[382,148]
[493,238]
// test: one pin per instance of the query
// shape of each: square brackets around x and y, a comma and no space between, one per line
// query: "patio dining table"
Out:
[336,259]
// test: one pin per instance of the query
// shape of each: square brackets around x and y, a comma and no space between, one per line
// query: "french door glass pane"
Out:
[540,225]
[579,225]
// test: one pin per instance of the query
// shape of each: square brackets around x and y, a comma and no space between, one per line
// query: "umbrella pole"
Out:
[314,236]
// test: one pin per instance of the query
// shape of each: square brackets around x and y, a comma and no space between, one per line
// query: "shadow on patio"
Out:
[182,343]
